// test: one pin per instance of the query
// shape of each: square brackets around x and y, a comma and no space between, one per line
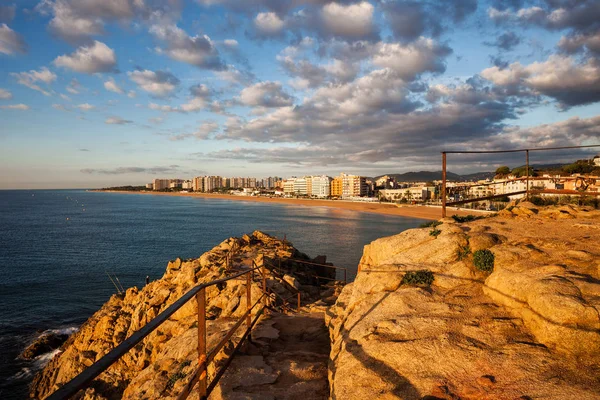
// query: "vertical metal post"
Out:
[201,300]
[443,184]
[298,302]
[248,299]
[527,167]
[263,270]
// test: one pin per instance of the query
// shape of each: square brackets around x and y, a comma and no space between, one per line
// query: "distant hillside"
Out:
[422,176]
[478,176]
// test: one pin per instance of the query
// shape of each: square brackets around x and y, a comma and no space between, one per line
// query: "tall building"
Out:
[187,184]
[336,186]
[353,185]
[160,184]
[211,183]
[321,186]
[198,184]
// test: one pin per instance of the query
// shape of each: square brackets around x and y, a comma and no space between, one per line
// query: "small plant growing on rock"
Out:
[423,277]
[467,218]
[434,232]
[484,260]
[463,252]
[430,224]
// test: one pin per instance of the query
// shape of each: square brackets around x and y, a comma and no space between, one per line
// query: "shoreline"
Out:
[420,212]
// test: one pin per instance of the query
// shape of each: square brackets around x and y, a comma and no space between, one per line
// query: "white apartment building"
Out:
[321,186]
[300,186]
[187,184]
[212,182]
[288,186]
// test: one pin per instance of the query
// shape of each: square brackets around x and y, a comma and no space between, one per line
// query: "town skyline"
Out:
[96,94]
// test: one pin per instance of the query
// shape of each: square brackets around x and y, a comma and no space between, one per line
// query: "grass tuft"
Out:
[422,277]
[484,260]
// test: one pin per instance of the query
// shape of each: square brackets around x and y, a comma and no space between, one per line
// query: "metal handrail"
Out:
[445,203]
[86,377]
[321,265]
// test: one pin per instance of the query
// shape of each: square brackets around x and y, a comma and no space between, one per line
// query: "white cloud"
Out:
[78,20]
[85,107]
[158,83]
[10,41]
[352,21]
[234,76]
[231,43]
[413,59]
[131,94]
[5,94]
[203,132]
[560,77]
[199,99]
[91,59]
[268,23]
[112,86]
[117,121]
[20,107]
[195,50]
[60,107]
[266,94]
[30,78]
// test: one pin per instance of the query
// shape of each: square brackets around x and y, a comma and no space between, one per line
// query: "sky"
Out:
[98,93]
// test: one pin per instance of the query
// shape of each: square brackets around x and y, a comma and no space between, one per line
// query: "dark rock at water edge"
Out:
[44,344]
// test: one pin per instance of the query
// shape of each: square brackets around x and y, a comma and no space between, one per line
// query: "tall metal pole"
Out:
[443,184]
[527,166]
[201,300]
[249,299]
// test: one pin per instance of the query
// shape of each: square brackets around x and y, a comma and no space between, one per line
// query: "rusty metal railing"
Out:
[83,380]
[344,270]
[527,190]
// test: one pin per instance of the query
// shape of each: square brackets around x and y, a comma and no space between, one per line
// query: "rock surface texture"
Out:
[530,329]
[162,364]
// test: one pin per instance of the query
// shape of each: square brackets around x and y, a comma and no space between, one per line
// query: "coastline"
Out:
[421,212]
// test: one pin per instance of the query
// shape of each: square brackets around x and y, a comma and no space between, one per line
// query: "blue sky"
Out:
[96,93]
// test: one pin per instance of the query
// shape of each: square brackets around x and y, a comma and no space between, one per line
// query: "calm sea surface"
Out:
[56,245]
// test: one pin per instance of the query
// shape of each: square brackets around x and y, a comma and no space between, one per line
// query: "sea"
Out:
[57,248]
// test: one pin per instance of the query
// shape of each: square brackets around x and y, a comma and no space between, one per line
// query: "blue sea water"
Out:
[57,245]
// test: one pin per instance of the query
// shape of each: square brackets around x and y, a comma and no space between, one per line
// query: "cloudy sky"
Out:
[103,92]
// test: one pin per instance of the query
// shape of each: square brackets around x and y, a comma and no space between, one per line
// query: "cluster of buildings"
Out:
[321,186]
[385,188]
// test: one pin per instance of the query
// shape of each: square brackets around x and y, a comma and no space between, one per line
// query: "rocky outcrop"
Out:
[160,365]
[44,344]
[529,329]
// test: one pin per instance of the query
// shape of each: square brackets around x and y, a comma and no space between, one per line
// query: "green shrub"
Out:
[484,260]
[467,218]
[423,277]
[463,252]
[430,224]
[434,232]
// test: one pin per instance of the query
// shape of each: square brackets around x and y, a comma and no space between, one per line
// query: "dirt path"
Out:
[287,360]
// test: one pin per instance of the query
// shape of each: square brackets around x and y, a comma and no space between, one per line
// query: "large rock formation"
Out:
[160,365]
[529,329]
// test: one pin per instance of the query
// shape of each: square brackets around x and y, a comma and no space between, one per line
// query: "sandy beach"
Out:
[423,212]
